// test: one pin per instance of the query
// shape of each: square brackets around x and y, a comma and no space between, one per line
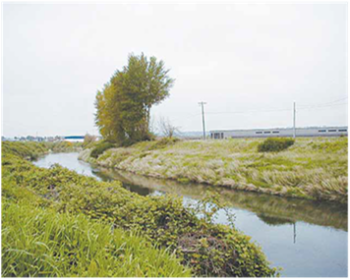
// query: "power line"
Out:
[321,105]
[245,111]
[305,107]
[326,103]
[187,117]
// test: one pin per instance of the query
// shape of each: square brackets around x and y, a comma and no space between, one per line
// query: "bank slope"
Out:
[106,214]
[313,168]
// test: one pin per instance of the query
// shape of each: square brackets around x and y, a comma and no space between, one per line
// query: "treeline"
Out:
[77,226]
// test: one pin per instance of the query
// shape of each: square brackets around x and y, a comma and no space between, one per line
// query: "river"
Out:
[305,238]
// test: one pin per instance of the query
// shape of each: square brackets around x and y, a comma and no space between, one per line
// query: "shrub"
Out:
[275,144]
[147,136]
[64,146]
[63,245]
[162,143]
[89,140]
[100,148]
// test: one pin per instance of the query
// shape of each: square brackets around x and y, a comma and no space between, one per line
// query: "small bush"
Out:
[100,148]
[162,143]
[275,144]
[89,140]
[149,136]
[64,147]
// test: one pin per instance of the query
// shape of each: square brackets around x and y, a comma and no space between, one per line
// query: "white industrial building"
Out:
[280,132]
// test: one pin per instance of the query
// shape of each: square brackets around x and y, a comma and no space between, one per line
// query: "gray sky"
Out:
[253,58]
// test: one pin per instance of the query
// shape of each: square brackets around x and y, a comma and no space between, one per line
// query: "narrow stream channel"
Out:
[305,238]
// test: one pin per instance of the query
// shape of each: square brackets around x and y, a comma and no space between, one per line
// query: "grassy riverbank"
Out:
[32,150]
[58,223]
[313,168]
[281,209]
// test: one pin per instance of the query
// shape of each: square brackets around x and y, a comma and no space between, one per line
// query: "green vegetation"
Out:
[28,150]
[100,148]
[32,150]
[123,106]
[41,243]
[275,144]
[163,143]
[312,168]
[89,140]
[59,223]
[320,213]
[64,147]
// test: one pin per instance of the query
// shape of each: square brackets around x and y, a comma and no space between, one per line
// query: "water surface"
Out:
[305,238]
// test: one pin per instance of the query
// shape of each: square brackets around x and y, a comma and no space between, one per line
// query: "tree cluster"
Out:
[124,104]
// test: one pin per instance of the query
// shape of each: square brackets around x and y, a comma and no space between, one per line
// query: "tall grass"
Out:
[43,243]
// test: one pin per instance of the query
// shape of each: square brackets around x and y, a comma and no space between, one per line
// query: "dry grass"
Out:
[313,168]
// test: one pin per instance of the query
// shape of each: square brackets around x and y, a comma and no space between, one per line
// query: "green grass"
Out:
[319,213]
[32,150]
[42,243]
[73,215]
[313,168]
[100,148]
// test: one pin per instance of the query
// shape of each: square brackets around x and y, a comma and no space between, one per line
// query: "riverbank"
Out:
[313,168]
[32,150]
[267,207]
[174,242]
[304,237]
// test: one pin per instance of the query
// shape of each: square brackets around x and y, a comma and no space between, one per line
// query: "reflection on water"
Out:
[305,238]
[272,210]
[275,221]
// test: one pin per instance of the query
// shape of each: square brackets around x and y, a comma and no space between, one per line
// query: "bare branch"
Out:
[166,128]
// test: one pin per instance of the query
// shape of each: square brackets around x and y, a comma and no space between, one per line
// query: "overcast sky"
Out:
[247,61]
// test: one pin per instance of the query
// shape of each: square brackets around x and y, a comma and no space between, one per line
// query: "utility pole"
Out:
[294,115]
[203,121]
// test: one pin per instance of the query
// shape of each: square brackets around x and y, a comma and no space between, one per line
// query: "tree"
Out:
[124,104]
[88,139]
[166,128]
